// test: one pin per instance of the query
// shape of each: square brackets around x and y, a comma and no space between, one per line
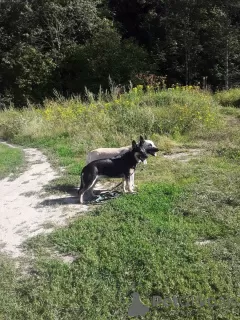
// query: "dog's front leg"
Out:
[132,171]
[129,184]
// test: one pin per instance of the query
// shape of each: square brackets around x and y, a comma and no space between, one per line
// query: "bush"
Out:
[92,64]
[30,71]
[229,97]
[172,111]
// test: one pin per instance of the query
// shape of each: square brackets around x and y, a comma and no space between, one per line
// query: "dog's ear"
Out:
[145,137]
[134,144]
[141,140]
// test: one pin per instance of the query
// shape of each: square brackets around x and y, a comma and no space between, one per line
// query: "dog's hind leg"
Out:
[81,183]
[86,188]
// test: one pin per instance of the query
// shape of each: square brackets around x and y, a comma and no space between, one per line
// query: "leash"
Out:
[119,184]
[111,194]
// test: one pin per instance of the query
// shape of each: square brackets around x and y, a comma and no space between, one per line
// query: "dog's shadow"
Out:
[70,196]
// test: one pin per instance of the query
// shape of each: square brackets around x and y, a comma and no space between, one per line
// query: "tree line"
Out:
[49,46]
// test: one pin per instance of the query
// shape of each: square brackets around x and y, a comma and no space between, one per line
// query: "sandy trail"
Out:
[26,210]
[184,156]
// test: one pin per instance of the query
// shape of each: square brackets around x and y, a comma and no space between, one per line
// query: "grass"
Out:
[67,129]
[147,242]
[11,160]
[229,97]
[110,121]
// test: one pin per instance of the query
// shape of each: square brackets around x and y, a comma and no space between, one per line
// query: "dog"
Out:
[121,166]
[105,153]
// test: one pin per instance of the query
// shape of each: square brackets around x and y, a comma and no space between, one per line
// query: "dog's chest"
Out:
[131,171]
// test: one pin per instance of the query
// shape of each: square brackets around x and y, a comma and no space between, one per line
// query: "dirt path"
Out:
[26,210]
[183,156]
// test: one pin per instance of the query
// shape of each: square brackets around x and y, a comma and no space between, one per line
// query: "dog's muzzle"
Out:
[152,151]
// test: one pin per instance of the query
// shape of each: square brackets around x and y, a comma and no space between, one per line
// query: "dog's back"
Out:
[105,153]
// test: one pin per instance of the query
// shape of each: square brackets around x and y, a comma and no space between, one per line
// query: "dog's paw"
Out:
[131,190]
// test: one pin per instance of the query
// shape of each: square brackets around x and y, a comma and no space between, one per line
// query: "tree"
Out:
[187,39]
[34,38]
[27,74]
[92,64]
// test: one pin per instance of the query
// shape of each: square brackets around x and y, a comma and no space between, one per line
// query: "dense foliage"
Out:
[65,45]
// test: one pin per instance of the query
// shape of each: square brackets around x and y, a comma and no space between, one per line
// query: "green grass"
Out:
[11,160]
[67,129]
[146,242]
[229,97]
[111,121]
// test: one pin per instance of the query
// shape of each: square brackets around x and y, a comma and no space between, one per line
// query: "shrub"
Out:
[30,73]
[229,97]
[92,64]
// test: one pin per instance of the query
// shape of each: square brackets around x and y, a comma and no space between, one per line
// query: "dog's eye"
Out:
[150,145]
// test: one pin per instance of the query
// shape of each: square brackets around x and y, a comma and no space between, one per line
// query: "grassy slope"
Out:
[144,242]
[11,159]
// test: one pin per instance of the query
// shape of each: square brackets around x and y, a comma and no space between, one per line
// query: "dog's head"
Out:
[149,146]
[139,151]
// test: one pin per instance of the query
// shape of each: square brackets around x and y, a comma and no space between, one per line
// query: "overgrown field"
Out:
[70,128]
[178,236]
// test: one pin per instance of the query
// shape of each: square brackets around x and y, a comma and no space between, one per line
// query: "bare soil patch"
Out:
[26,210]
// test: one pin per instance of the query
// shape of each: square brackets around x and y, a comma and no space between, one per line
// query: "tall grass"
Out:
[229,97]
[112,120]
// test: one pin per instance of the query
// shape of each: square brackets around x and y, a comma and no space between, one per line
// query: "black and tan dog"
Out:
[122,166]
[106,153]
